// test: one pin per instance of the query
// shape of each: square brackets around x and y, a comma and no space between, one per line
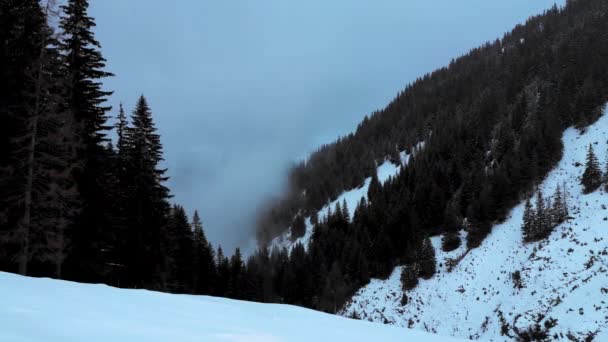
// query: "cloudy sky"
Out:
[240,89]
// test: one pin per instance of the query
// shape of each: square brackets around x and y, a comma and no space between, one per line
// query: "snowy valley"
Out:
[53,310]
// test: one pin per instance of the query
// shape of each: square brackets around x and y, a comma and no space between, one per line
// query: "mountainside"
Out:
[492,124]
[503,107]
[502,288]
[385,172]
[52,310]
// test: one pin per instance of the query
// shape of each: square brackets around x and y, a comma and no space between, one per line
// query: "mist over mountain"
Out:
[243,90]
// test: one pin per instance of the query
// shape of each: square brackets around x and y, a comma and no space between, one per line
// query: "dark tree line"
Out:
[492,123]
[72,206]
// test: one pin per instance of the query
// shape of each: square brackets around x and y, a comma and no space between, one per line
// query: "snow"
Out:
[385,171]
[564,276]
[52,310]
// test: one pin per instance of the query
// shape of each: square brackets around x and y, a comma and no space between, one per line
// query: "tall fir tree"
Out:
[427,260]
[606,174]
[147,203]
[528,221]
[181,263]
[83,65]
[592,176]
[375,188]
[121,126]
[204,262]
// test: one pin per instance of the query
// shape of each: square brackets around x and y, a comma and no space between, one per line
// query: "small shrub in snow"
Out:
[517,281]
[404,300]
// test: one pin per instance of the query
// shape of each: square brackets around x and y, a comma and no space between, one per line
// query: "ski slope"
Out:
[385,171]
[564,277]
[52,310]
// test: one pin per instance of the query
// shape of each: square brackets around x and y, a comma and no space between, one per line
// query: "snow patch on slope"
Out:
[352,197]
[564,276]
[52,310]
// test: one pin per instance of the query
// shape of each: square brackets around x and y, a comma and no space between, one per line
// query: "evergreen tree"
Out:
[182,251]
[298,227]
[606,173]
[121,126]
[345,211]
[541,218]
[334,290]
[427,261]
[147,204]
[222,284]
[237,273]
[453,223]
[559,209]
[84,66]
[204,262]
[375,188]
[592,176]
[529,221]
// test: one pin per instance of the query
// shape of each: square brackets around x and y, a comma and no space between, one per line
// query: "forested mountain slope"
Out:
[492,121]
[492,124]
[552,289]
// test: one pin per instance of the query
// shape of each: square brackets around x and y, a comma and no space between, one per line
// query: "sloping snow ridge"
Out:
[385,171]
[52,310]
[564,277]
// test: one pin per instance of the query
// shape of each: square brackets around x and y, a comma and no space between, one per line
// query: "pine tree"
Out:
[223,274]
[452,223]
[334,290]
[606,174]
[237,273]
[147,205]
[375,188]
[592,176]
[298,227]
[529,221]
[428,263]
[182,251]
[541,217]
[345,211]
[559,208]
[204,262]
[121,126]
[83,63]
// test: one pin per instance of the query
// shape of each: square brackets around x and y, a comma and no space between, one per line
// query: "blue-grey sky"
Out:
[240,89]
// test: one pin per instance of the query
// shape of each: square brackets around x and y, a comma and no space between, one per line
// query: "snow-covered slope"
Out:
[51,310]
[564,277]
[352,197]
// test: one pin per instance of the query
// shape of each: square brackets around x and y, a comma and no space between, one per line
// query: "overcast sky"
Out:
[240,89]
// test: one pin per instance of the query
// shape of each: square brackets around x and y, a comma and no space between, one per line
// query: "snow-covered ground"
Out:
[564,277]
[385,171]
[48,310]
